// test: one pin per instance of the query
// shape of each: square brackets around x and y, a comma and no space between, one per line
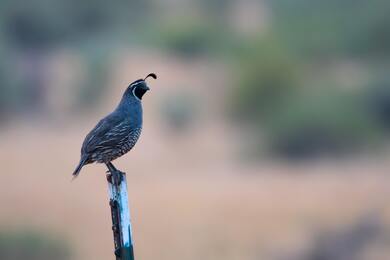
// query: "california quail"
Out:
[117,133]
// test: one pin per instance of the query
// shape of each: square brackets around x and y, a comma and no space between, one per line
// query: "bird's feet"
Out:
[115,177]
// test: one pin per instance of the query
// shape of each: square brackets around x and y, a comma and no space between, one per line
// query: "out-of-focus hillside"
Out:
[211,211]
[265,134]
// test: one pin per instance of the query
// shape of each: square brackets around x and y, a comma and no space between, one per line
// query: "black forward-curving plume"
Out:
[117,133]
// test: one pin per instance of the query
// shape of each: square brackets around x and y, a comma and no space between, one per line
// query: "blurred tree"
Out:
[334,27]
[377,99]
[319,123]
[275,72]
[266,75]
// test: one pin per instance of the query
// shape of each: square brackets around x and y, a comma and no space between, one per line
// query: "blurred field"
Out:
[211,211]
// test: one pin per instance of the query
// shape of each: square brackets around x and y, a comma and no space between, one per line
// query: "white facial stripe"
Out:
[134,93]
[134,84]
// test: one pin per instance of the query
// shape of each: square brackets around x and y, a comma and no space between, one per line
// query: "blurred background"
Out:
[265,135]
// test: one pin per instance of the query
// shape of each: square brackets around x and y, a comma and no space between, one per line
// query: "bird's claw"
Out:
[117,178]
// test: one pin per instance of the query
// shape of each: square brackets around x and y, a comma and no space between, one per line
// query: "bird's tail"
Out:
[78,169]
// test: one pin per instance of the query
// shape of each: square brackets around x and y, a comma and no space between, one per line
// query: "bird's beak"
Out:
[147,88]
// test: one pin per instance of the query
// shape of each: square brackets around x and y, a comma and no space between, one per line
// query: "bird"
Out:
[118,132]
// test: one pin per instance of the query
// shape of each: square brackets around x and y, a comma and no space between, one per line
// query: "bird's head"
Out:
[139,87]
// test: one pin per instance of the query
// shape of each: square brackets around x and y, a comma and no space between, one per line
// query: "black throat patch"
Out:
[139,92]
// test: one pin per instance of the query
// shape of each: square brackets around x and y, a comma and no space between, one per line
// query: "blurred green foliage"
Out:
[320,123]
[376,99]
[274,76]
[190,38]
[266,75]
[289,103]
[31,31]
[333,28]
[22,245]
[45,24]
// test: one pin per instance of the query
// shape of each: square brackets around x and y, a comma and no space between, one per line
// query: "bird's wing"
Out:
[107,133]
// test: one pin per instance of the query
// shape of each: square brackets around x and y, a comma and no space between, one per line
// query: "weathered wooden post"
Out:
[120,213]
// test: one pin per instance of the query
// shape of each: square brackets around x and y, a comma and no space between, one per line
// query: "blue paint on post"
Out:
[119,194]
